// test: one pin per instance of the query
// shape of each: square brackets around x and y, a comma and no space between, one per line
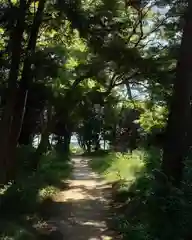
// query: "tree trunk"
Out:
[67,140]
[177,133]
[16,39]
[88,146]
[25,138]
[44,143]
[41,149]
[97,145]
[104,143]
[26,79]
[29,121]
[13,140]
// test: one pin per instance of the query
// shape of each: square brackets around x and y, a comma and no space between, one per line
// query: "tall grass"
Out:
[127,167]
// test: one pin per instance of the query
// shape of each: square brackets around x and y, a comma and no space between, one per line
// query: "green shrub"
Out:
[24,196]
[76,150]
[128,166]
[148,206]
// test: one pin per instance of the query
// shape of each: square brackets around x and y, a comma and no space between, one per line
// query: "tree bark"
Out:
[26,78]
[16,39]
[28,127]
[67,140]
[44,143]
[22,93]
[177,133]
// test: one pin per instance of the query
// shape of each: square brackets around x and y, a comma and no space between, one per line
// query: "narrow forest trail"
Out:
[81,211]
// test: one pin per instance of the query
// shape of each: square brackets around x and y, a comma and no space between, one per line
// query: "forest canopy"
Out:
[114,73]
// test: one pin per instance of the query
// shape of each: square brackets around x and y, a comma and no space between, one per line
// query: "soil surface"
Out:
[81,211]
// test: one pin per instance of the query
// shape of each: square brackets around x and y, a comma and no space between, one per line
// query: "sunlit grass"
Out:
[47,192]
[125,166]
[135,172]
[118,166]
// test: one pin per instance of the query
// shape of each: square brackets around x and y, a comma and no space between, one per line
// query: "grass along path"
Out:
[80,213]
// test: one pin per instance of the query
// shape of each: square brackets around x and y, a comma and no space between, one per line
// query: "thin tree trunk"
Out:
[44,143]
[67,140]
[26,134]
[104,142]
[42,148]
[179,121]
[26,79]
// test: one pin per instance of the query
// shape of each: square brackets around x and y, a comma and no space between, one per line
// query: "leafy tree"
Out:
[178,132]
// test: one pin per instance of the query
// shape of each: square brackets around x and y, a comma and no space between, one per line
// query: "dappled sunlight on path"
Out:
[80,212]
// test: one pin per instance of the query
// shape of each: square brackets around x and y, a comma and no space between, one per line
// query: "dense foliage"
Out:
[114,73]
[146,205]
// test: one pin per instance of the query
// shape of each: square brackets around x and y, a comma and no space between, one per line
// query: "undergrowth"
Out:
[145,205]
[22,201]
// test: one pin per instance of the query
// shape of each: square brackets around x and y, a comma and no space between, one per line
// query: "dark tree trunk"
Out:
[67,140]
[34,107]
[97,146]
[16,39]
[44,143]
[42,148]
[27,131]
[22,94]
[26,78]
[13,140]
[25,136]
[88,146]
[179,121]
[133,138]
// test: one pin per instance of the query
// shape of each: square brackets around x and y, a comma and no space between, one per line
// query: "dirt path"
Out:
[80,212]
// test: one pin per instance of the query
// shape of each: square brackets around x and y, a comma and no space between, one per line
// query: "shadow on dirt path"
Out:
[81,213]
